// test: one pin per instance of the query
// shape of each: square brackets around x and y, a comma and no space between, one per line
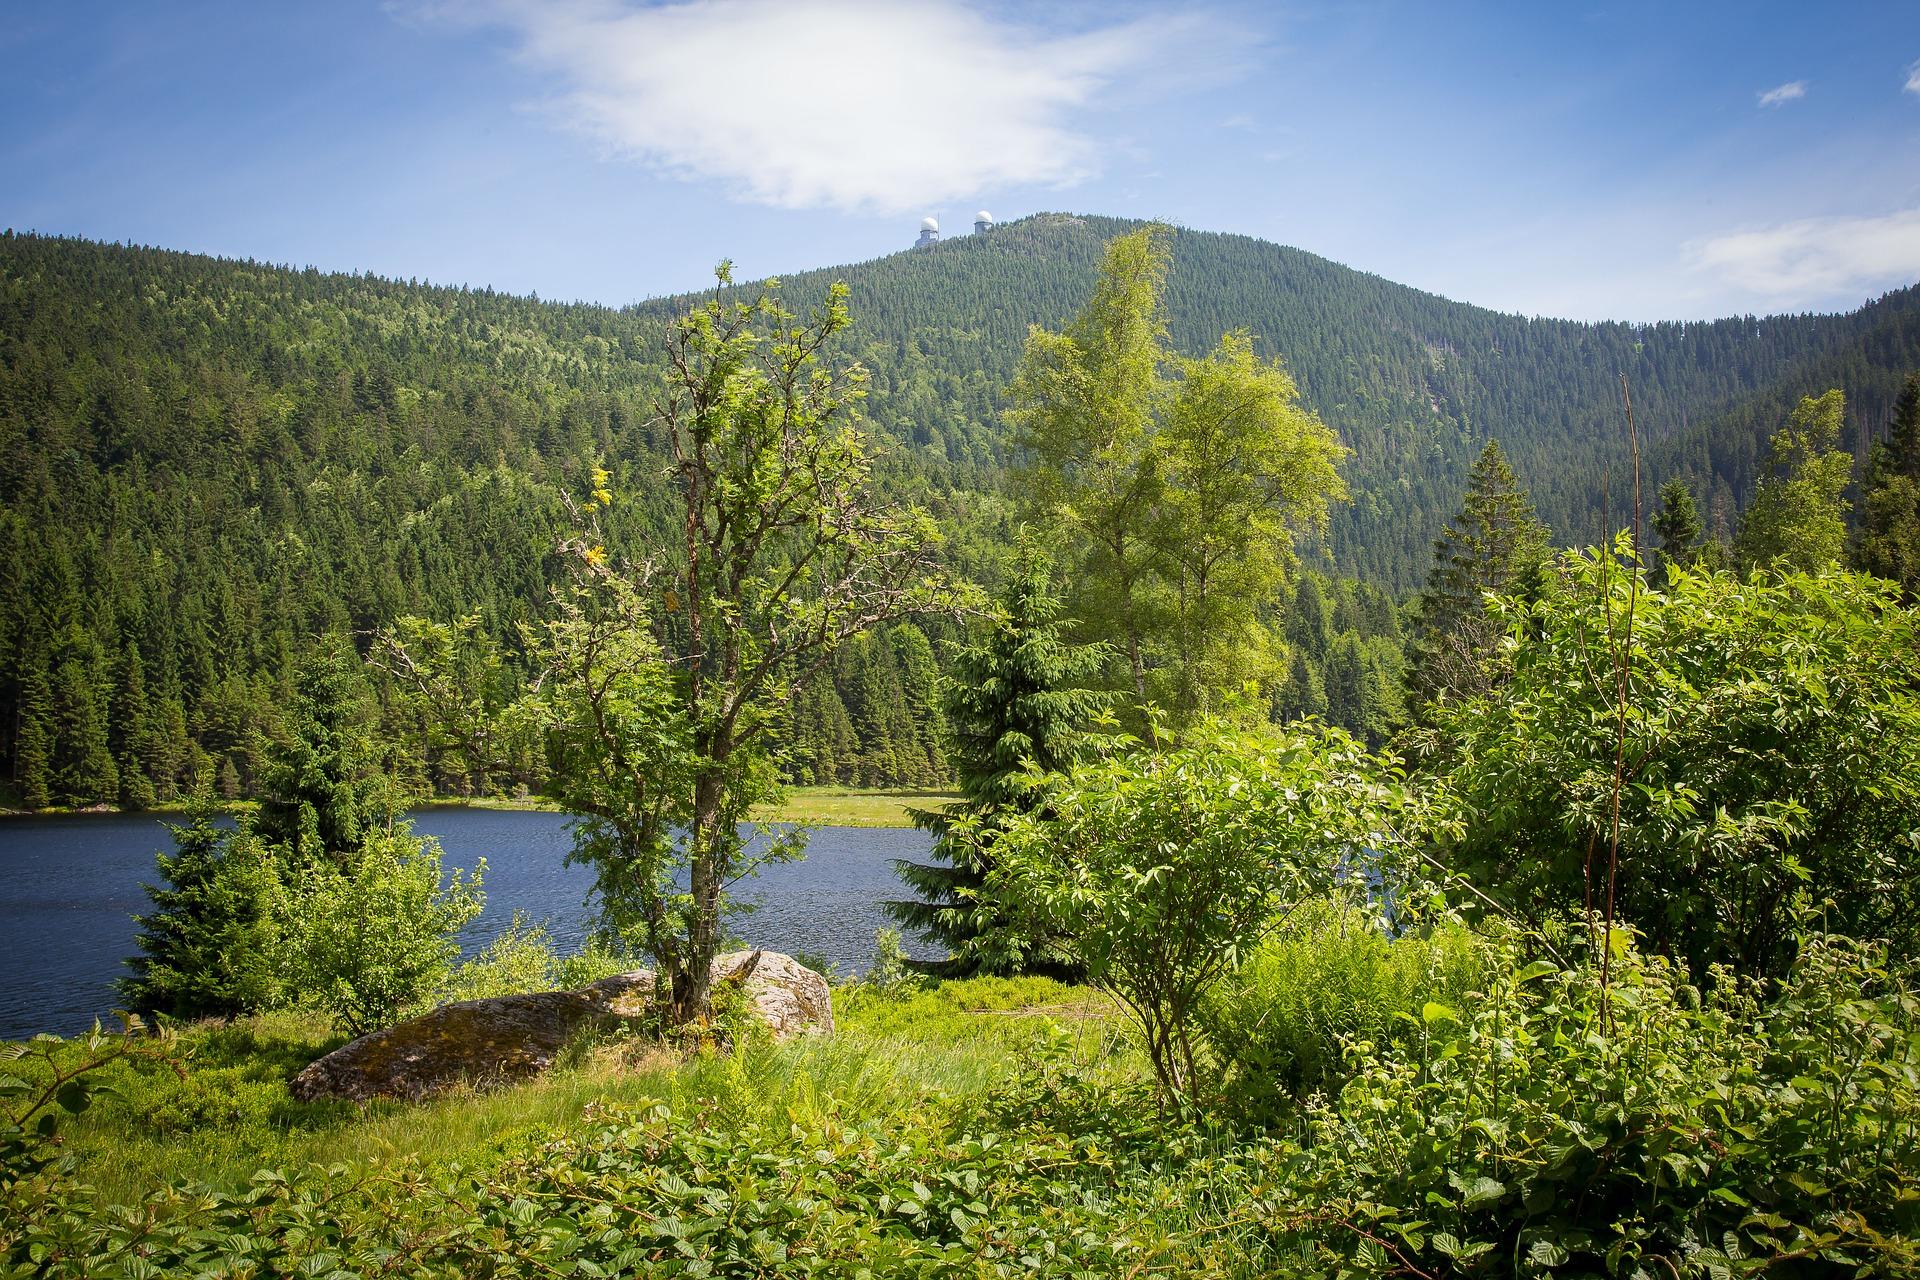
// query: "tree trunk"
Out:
[706,846]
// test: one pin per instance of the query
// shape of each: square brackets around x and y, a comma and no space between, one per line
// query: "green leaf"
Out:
[1484,1190]
[1545,1253]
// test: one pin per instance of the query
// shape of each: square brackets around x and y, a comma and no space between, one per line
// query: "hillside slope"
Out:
[1414,383]
[205,463]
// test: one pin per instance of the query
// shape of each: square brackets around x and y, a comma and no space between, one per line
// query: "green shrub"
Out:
[1281,1022]
[598,959]
[1154,870]
[1548,1128]
[369,941]
[1771,745]
[891,969]
[520,960]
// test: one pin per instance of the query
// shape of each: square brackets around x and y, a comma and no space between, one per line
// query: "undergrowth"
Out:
[1537,1124]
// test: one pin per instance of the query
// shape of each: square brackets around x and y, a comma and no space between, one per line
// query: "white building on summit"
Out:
[930,228]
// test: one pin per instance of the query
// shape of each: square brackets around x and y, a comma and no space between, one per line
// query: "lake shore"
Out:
[816,806]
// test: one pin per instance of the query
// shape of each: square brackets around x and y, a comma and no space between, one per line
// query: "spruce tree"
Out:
[207,949]
[1494,545]
[1678,525]
[920,680]
[1890,533]
[325,792]
[1304,696]
[1346,685]
[133,723]
[1013,700]
[84,772]
[33,748]
[1307,626]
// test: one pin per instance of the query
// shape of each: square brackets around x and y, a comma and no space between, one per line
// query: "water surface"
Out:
[70,886]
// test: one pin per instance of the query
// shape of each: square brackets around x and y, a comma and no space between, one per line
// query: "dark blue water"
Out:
[69,887]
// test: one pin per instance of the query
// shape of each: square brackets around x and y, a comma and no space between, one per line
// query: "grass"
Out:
[226,1112]
[819,806]
[852,807]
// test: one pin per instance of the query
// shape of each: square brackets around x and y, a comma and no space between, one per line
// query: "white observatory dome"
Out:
[983,216]
[929,224]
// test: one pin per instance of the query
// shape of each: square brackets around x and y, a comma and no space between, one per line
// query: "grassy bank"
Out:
[1008,1127]
[851,807]
[819,806]
[215,1108]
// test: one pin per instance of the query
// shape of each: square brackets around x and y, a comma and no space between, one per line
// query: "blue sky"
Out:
[1629,161]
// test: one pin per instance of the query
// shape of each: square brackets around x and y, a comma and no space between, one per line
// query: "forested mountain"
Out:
[205,463]
[1414,383]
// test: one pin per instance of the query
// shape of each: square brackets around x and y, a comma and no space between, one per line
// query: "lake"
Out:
[69,887]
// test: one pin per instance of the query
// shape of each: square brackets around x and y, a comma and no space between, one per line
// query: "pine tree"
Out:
[1678,524]
[920,679]
[133,722]
[1890,533]
[207,947]
[1346,681]
[1307,627]
[227,783]
[877,704]
[84,771]
[1495,545]
[33,749]
[1013,700]
[324,792]
[1304,696]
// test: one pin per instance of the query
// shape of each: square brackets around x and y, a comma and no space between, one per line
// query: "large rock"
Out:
[783,993]
[513,1037]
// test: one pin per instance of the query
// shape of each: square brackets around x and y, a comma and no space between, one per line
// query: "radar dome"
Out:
[983,216]
[929,224]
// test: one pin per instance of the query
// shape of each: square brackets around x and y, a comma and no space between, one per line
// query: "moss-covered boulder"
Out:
[509,1038]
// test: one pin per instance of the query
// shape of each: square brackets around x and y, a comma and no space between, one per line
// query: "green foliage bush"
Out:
[600,958]
[1771,746]
[1330,976]
[370,940]
[520,960]
[1553,1127]
[1156,870]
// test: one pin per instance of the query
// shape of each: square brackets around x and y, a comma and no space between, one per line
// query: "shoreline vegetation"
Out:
[1594,949]
[870,807]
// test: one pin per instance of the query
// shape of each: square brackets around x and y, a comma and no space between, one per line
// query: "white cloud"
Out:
[850,104]
[1913,78]
[1816,260]
[1781,94]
